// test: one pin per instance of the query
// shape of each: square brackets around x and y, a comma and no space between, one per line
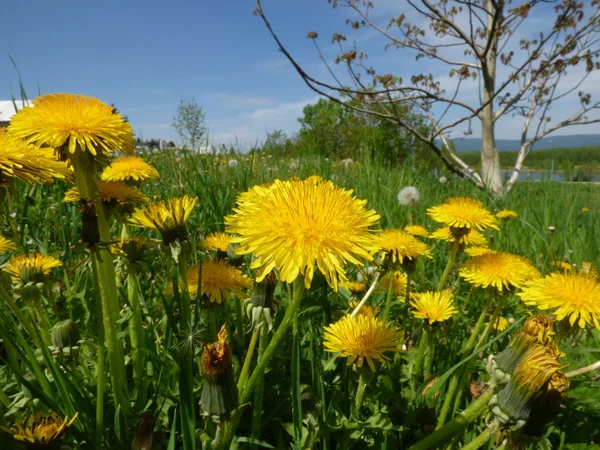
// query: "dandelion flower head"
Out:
[217,241]
[218,279]
[356,287]
[27,163]
[417,230]
[168,217]
[110,192]
[499,270]
[129,168]
[473,237]
[409,196]
[433,306]
[365,310]
[478,251]
[42,431]
[463,212]
[398,281]
[293,226]
[506,214]
[572,296]
[6,245]
[401,245]
[31,267]
[361,338]
[74,120]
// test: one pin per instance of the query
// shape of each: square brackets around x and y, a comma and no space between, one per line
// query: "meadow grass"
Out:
[557,221]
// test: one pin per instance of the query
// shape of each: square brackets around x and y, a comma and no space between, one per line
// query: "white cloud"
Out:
[278,65]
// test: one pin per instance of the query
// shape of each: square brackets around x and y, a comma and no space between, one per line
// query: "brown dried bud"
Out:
[312,35]
[216,358]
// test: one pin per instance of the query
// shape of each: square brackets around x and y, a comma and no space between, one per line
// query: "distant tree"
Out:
[520,59]
[171,144]
[320,127]
[188,122]
[275,140]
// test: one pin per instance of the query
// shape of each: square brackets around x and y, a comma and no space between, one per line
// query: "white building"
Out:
[7,110]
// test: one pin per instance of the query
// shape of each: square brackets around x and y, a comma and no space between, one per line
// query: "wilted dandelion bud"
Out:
[219,391]
[65,334]
[260,304]
[409,196]
[531,379]
[143,435]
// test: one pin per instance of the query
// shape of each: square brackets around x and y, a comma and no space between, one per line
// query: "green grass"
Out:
[308,394]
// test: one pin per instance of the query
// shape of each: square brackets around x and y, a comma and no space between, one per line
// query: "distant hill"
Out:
[571,141]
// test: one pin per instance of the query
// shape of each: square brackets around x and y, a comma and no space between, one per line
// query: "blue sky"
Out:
[145,56]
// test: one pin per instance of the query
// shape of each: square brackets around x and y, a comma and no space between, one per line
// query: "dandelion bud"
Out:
[260,304]
[219,391]
[65,334]
[409,196]
[143,435]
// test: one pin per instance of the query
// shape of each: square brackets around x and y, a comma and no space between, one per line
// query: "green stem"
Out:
[259,393]
[17,311]
[430,353]
[248,360]
[186,361]
[422,349]
[87,185]
[258,372]
[217,442]
[390,296]
[407,292]
[456,425]
[42,320]
[136,335]
[482,439]
[276,340]
[100,370]
[454,249]
[363,381]
[239,321]
[456,377]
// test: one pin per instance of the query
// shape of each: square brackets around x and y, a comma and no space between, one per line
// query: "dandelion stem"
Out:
[136,334]
[454,249]
[363,381]
[259,392]
[456,425]
[100,357]
[390,296]
[87,185]
[366,297]
[482,439]
[456,377]
[422,349]
[248,359]
[430,353]
[583,370]
[17,311]
[239,321]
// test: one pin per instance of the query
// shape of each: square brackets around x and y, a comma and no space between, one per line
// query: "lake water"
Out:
[550,176]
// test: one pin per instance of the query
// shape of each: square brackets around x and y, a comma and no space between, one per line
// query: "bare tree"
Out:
[522,57]
[189,123]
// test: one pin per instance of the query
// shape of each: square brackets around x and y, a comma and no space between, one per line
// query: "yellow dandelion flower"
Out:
[473,237]
[361,338]
[6,245]
[31,267]
[400,245]
[574,296]
[80,121]
[463,212]
[501,324]
[41,430]
[365,310]
[291,226]
[399,281]
[417,230]
[129,168]
[499,270]
[589,269]
[111,192]
[218,278]
[433,306]
[169,217]
[27,163]
[563,265]
[506,214]
[217,242]
[133,248]
[585,209]
[478,251]
[356,287]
